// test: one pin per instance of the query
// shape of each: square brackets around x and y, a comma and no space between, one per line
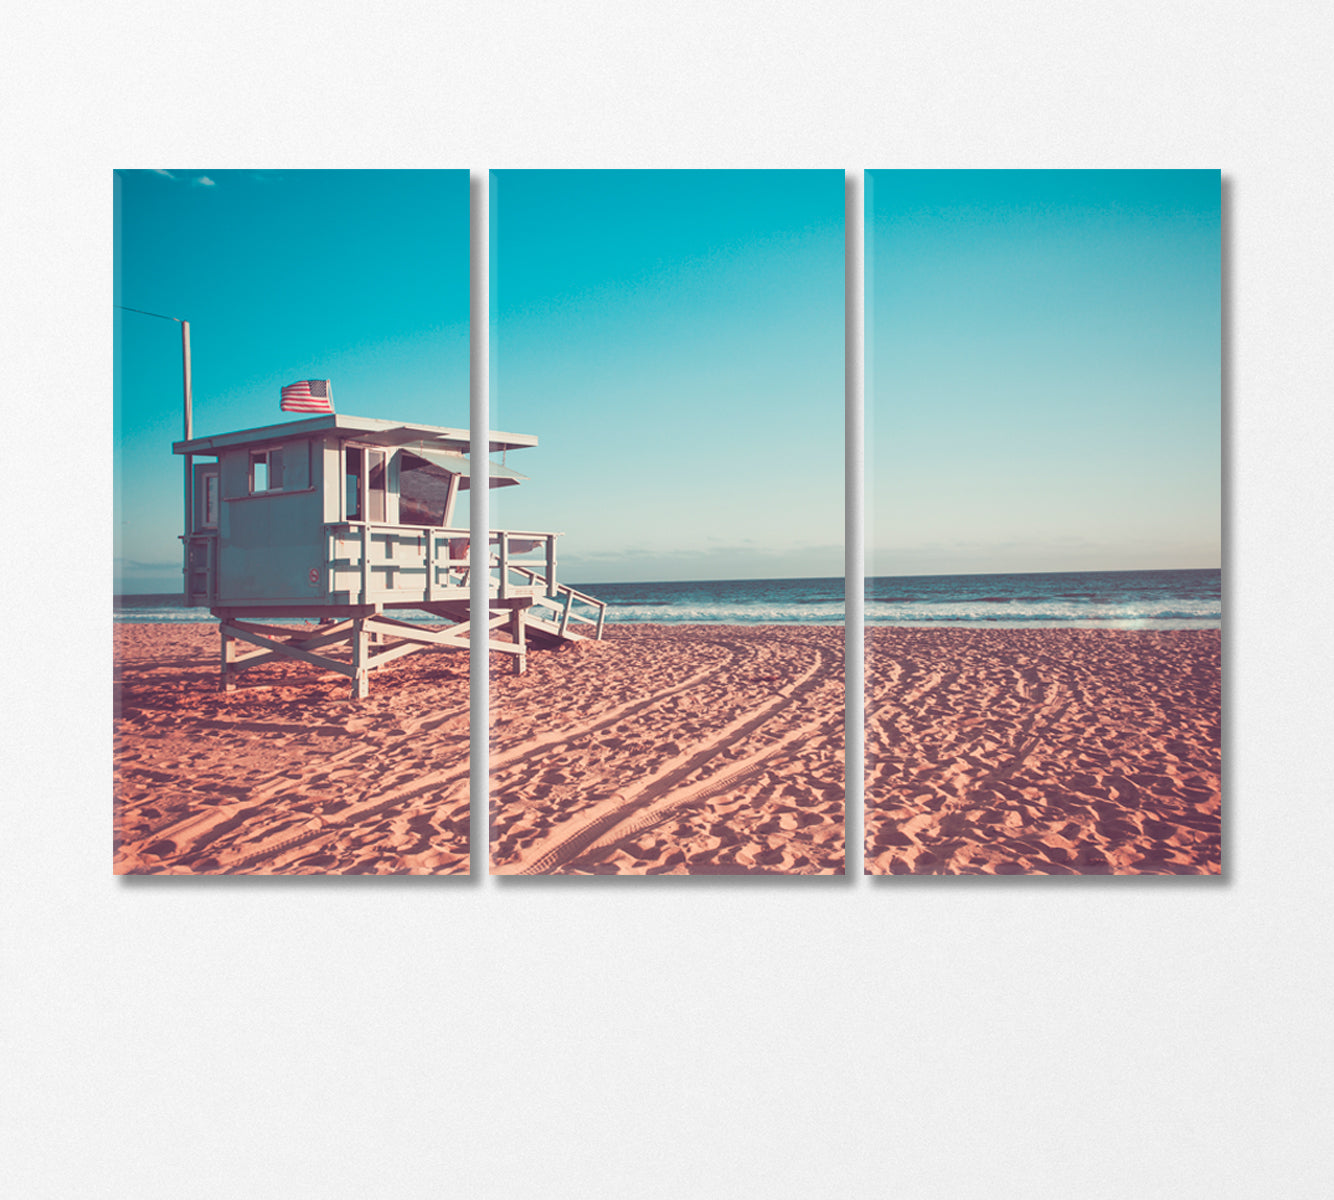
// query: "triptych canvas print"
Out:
[639,556]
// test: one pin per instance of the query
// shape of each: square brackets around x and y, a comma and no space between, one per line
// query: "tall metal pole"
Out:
[185,363]
[188,460]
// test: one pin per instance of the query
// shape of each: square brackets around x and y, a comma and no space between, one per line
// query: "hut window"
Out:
[266,471]
[364,476]
[210,520]
[352,483]
[375,480]
[423,492]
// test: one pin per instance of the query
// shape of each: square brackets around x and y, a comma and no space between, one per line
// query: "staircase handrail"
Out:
[562,587]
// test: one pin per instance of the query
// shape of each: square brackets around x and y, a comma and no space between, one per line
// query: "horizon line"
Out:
[799,578]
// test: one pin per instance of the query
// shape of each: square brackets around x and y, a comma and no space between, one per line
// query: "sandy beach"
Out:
[1042,751]
[287,775]
[672,749]
[662,749]
[682,749]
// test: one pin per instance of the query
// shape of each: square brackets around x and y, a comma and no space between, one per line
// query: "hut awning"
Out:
[459,464]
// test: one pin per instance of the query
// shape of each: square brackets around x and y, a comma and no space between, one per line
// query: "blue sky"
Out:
[1043,391]
[675,340]
[360,277]
[1043,385]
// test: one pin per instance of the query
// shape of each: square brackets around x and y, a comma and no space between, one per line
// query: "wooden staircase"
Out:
[531,613]
[558,617]
[547,617]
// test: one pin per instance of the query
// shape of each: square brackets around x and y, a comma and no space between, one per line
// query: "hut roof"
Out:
[364,429]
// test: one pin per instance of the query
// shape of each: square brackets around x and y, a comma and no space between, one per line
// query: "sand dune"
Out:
[287,775]
[672,750]
[1042,751]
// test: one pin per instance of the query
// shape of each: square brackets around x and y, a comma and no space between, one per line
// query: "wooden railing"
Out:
[563,602]
[369,563]
[523,563]
[373,563]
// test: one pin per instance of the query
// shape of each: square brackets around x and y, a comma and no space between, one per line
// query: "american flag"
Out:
[310,395]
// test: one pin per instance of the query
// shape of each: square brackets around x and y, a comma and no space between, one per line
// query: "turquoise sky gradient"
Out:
[1043,387]
[1043,351]
[360,277]
[675,340]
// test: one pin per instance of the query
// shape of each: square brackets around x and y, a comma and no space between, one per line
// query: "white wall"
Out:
[906,1037]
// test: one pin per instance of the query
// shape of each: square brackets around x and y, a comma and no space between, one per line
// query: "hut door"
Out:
[201,551]
[206,498]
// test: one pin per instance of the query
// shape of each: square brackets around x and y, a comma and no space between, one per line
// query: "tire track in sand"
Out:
[445,785]
[655,796]
[715,785]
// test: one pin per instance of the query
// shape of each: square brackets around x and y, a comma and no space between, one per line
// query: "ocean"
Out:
[1080,599]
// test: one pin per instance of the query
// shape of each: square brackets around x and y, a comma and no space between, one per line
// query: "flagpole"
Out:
[185,367]
[188,460]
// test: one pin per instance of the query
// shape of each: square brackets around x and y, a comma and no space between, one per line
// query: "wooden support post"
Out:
[226,677]
[551,565]
[365,564]
[187,587]
[504,557]
[520,639]
[361,676]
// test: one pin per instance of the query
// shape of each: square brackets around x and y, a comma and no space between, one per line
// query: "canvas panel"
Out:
[675,341]
[1043,592]
[268,720]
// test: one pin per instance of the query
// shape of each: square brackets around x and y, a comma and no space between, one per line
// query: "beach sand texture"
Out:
[672,749]
[287,775]
[1077,751]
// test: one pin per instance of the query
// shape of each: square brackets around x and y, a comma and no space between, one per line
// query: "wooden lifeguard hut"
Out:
[349,521]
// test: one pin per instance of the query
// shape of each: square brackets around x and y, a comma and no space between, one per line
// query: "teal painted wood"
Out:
[284,542]
[268,547]
[398,565]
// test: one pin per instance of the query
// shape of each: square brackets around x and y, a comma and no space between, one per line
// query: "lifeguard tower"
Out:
[349,521]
